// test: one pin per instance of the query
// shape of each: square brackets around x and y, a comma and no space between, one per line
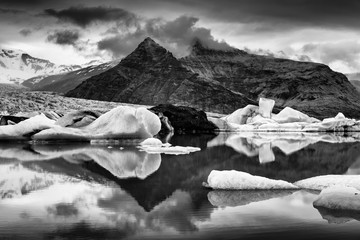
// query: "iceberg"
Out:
[260,119]
[236,180]
[326,181]
[121,122]
[339,198]
[23,130]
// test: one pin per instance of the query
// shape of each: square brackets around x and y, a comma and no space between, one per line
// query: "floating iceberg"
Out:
[339,198]
[121,122]
[260,119]
[326,181]
[236,180]
[23,130]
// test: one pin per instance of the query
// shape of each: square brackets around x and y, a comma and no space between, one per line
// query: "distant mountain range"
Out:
[17,66]
[209,79]
[221,81]
[65,82]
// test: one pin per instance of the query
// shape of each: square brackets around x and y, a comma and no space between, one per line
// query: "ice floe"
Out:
[339,198]
[24,129]
[121,122]
[261,119]
[236,180]
[326,181]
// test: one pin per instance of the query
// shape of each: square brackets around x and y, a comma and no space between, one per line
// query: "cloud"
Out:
[64,37]
[279,13]
[11,11]
[177,35]
[345,52]
[25,32]
[84,16]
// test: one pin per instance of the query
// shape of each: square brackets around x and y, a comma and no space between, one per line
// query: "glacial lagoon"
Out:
[117,191]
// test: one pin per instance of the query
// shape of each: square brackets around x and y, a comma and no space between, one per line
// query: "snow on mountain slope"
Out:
[17,66]
[65,82]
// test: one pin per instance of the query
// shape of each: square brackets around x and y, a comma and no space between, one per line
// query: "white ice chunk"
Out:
[339,198]
[289,115]
[26,127]
[325,181]
[236,180]
[265,107]
[241,115]
[151,142]
[120,122]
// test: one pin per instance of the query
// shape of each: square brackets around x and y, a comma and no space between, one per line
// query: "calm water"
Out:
[102,191]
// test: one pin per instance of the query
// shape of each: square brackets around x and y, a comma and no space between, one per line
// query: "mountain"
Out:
[312,88]
[152,75]
[16,66]
[221,81]
[65,82]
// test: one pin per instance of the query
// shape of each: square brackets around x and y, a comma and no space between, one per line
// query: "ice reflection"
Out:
[261,144]
[85,191]
[336,216]
[119,161]
[223,198]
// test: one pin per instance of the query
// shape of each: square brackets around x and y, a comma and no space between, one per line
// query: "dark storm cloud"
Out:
[177,35]
[10,11]
[321,13]
[64,37]
[84,16]
[25,32]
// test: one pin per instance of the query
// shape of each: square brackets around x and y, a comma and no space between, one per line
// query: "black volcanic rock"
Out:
[309,87]
[151,75]
[185,119]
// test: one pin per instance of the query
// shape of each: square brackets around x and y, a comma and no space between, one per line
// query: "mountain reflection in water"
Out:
[80,191]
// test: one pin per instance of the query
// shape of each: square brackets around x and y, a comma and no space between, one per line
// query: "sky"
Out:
[78,31]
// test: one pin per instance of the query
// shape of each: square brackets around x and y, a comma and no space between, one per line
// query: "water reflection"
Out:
[121,162]
[82,191]
[222,198]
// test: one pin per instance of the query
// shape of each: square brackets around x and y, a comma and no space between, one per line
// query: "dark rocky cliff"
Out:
[222,81]
[151,75]
[312,88]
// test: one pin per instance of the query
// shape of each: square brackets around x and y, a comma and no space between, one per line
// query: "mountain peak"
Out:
[148,51]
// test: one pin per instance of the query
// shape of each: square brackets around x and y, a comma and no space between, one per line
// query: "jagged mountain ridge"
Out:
[151,75]
[17,66]
[65,82]
[222,81]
